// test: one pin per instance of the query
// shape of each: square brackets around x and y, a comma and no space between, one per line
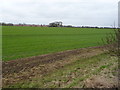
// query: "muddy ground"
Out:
[15,71]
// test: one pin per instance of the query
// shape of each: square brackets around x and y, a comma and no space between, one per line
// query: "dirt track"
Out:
[26,68]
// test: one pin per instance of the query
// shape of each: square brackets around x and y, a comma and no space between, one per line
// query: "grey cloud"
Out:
[75,12]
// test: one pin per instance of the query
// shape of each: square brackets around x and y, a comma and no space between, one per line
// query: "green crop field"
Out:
[20,42]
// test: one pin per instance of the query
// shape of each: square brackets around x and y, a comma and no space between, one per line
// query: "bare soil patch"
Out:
[101,82]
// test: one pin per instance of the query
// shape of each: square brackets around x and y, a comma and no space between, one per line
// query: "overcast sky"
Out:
[70,12]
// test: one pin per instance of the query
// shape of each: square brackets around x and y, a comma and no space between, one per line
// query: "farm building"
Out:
[55,24]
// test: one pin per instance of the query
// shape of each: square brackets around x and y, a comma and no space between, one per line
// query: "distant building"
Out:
[119,14]
[55,24]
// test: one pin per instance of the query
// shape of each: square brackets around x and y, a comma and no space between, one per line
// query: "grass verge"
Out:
[71,75]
